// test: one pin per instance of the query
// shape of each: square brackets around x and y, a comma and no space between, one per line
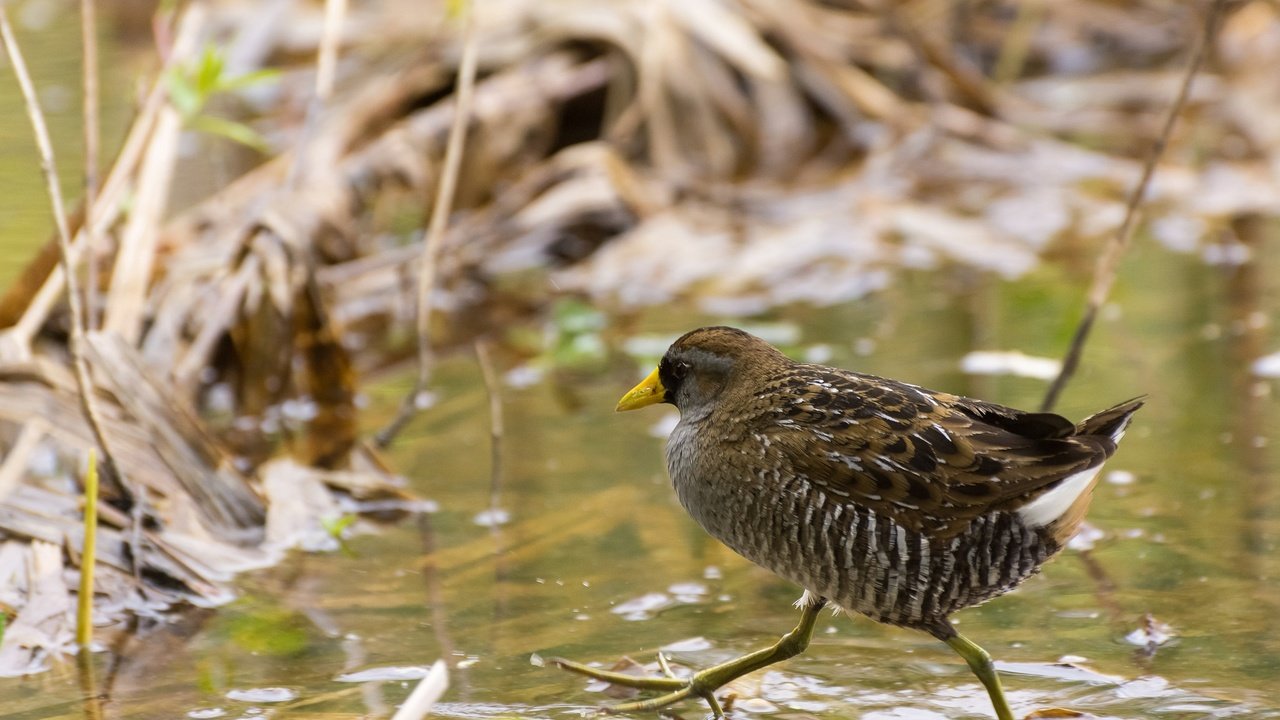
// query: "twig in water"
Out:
[89,40]
[425,694]
[88,556]
[434,586]
[439,219]
[496,432]
[1104,274]
[91,697]
[83,382]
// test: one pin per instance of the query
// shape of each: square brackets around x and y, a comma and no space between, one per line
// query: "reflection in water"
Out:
[93,697]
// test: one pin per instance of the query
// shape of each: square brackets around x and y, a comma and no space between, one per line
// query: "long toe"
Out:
[639,682]
[1057,712]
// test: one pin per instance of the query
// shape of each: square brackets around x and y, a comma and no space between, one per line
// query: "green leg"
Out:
[704,683]
[982,666]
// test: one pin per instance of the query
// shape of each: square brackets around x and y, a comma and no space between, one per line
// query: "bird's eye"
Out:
[679,369]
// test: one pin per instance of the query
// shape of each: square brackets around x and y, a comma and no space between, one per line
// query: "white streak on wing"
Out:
[1051,505]
[853,462]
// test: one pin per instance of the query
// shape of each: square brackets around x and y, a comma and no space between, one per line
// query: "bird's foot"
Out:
[702,684]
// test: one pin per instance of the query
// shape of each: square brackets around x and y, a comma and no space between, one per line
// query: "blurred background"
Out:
[916,189]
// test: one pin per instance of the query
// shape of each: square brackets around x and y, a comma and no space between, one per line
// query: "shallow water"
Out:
[598,561]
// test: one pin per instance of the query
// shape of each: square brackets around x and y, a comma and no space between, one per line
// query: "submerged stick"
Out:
[83,382]
[92,698]
[88,556]
[1104,274]
[445,190]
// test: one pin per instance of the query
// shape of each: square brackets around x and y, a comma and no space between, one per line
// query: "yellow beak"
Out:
[648,392]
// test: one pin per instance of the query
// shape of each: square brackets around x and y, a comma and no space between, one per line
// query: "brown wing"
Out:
[931,461]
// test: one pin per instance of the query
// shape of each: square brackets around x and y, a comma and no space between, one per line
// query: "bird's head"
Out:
[698,367]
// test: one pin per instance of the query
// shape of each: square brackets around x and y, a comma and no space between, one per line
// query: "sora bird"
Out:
[880,497]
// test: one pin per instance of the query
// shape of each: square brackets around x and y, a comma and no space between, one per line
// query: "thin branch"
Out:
[327,58]
[111,201]
[1104,274]
[83,382]
[445,190]
[89,41]
[1017,41]
[139,241]
[335,12]
[964,77]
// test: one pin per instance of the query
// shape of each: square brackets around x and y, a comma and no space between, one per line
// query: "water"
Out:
[597,561]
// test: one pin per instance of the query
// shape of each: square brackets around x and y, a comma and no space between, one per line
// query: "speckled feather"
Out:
[893,500]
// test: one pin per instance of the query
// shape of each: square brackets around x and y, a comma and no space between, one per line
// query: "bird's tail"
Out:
[1112,422]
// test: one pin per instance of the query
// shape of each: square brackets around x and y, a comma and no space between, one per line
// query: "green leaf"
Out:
[335,526]
[184,96]
[249,79]
[235,131]
[209,71]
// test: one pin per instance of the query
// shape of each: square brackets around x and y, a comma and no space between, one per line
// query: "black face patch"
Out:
[671,372]
[682,366]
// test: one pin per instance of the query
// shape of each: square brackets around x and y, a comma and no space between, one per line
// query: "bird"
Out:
[876,496]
